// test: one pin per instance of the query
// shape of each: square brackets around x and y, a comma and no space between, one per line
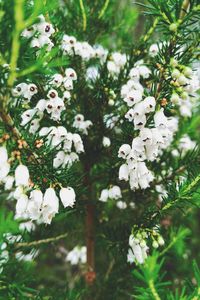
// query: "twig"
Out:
[40,242]
[184,9]
[19,25]
[83,14]
[151,30]
[103,10]
[153,290]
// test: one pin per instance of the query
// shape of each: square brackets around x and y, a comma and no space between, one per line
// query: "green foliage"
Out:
[125,27]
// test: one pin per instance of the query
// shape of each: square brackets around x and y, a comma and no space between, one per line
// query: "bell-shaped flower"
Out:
[160,119]
[78,143]
[50,205]
[4,170]
[139,122]
[8,182]
[70,74]
[144,71]
[134,74]
[67,196]
[59,159]
[130,115]
[19,90]
[104,195]
[21,205]
[133,97]
[30,91]
[34,207]
[139,109]
[124,172]
[121,204]
[115,192]
[133,180]
[153,50]
[27,116]
[22,175]
[106,142]
[124,151]
[146,136]
[149,104]
[56,80]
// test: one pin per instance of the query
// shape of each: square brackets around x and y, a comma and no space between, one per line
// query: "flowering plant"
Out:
[99,130]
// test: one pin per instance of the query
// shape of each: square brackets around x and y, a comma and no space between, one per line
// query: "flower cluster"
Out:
[81,124]
[77,255]
[70,46]
[138,250]
[185,83]
[150,141]
[113,192]
[36,206]
[116,62]
[40,34]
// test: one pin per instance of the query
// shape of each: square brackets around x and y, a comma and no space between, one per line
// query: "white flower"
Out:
[77,255]
[121,204]
[92,73]
[146,136]
[130,115]
[106,142]
[139,251]
[70,74]
[144,71]
[139,121]
[34,207]
[185,143]
[124,150]
[153,50]
[124,172]
[67,196]
[21,205]
[104,195]
[160,119]
[50,205]
[8,181]
[78,144]
[57,80]
[134,74]
[133,97]
[130,256]
[22,175]
[3,155]
[115,192]
[149,104]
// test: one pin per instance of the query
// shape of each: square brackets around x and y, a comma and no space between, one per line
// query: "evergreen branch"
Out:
[40,242]
[153,290]
[184,196]
[103,10]
[180,235]
[19,24]
[151,30]
[184,8]
[83,15]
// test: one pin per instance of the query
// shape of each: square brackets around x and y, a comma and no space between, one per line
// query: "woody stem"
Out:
[90,209]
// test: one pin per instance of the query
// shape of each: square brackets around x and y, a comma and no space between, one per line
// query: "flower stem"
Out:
[83,15]
[153,290]
[103,10]
[19,25]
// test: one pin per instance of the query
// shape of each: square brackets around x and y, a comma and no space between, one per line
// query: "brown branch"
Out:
[90,240]
[40,242]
